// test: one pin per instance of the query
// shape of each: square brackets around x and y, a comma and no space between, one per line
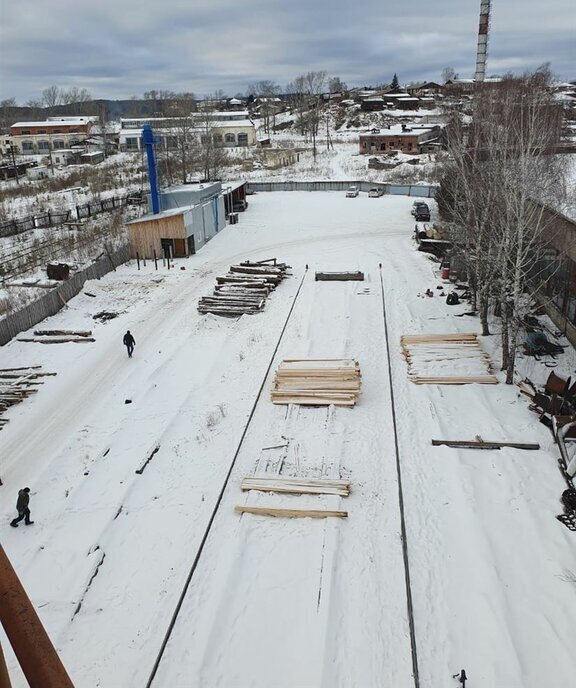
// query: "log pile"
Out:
[59,336]
[17,384]
[339,276]
[447,359]
[245,288]
[317,382]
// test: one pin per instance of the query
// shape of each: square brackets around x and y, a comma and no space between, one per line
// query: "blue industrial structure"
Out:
[148,141]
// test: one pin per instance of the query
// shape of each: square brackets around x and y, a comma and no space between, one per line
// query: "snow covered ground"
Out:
[278,602]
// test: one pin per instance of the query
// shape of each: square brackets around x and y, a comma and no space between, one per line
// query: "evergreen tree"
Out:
[395,83]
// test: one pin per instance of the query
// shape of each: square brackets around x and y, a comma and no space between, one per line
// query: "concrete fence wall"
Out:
[54,300]
[421,190]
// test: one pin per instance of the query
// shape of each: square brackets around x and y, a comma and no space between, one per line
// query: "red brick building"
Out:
[407,138]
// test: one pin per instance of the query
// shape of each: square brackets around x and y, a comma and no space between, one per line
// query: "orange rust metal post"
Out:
[30,642]
[4,678]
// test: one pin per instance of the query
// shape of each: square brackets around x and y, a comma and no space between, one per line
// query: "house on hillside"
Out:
[407,138]
[424,88]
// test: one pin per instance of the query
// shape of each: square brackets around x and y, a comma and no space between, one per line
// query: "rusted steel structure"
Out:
[30,642]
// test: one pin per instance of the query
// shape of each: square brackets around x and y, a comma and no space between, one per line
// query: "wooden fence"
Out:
[54,300]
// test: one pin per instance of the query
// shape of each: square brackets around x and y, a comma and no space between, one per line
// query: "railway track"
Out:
[218,502]
[276,465]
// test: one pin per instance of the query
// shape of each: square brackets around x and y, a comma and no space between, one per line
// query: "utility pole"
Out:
[13,157]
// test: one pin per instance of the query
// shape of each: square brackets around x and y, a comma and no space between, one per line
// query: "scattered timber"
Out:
[17,384]
[59,340]
[430,355]
[62,333]
[290,513]
[339,277]
[296,485]
[244,289]
[317,382]
[481,444]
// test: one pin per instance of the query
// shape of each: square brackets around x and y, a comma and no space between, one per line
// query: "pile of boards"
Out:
[17,384]
[59,336]
[447,359]
[294,486]
[244,288]
[317,382]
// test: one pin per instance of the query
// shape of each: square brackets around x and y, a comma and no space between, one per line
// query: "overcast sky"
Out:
[121,48]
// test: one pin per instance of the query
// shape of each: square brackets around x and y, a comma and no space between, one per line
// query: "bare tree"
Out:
[448,74]
[336,85]
[500,173]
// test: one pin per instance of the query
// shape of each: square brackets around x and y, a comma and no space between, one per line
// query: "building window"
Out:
[43,146]
[59,143]
[230,138]
[409,146]
[364,144]
[132,144]
[27,147]
[382,146]
[25,132]
[242,139]
[41,131]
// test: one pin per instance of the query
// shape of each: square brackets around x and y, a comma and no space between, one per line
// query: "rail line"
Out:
[221,494]
[409,604]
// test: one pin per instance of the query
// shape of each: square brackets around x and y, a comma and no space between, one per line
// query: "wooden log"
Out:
[56,333]
[289,513]
[64,340]
[339,276]
[295,486]
[476,444]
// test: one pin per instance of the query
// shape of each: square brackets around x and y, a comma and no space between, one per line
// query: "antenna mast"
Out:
[482,50]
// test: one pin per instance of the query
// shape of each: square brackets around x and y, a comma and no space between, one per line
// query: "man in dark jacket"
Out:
[22,508]
[129,343]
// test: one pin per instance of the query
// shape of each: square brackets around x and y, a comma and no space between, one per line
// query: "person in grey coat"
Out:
[22,508]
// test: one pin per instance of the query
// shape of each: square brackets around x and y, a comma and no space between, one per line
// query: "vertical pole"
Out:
[155,260]
[30,642]
[138,259]
[4,678]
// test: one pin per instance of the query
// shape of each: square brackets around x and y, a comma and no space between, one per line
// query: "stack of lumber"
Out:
[244,288]
[317,382]
[17,384]
[59,336]
[294,486]
[447,359]
[339,276]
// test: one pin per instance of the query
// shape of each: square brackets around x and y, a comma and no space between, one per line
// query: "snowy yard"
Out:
[275,602]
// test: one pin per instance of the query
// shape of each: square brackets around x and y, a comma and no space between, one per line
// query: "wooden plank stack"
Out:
[317,382]
[294,486]
[447,359]
[339,276]
[59,336]
[244,288]
[17,384]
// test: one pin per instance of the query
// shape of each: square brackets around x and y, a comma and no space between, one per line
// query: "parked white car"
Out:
[352,192]
[375,192]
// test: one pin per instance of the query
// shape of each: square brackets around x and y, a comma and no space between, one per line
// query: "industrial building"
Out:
[412,138]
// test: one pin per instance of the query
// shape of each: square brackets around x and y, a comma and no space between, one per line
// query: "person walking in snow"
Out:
[22,508]
[129,343]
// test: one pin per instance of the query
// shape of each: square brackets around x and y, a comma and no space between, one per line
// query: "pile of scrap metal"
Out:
[558,398]
[557,408]
[536,343]
[564,429]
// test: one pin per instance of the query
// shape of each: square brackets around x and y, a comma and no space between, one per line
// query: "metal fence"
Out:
[54,219]
[54,300]
[421,190]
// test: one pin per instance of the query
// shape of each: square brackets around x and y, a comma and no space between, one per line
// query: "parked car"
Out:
[419,204]
[352,192]
[375,192]
[422,213]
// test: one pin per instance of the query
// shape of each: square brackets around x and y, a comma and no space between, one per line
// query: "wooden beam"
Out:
[339,276]
[477,444]
[289,513]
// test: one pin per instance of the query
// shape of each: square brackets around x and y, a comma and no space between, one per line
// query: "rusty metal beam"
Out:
[4,678]
[30,642]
